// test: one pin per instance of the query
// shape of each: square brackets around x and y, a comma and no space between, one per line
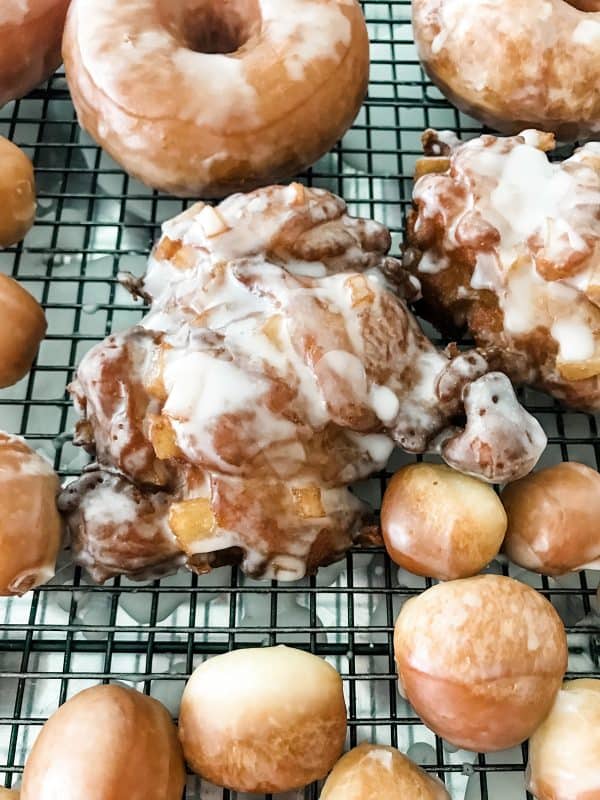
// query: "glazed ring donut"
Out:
[516,65]
[201,97]
[30,36]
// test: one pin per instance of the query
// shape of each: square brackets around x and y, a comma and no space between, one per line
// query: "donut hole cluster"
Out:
[211,26]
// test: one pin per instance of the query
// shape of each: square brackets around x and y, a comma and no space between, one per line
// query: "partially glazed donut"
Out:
[481,660]
[30,525]
[564,752]
[22,328]
[108,742]
[30,36]
[516,65]
[206,98]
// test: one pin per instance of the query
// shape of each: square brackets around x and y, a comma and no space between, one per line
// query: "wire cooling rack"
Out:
[95,221]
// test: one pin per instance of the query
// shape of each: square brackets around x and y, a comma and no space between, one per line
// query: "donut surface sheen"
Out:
[207,98]
[31,33]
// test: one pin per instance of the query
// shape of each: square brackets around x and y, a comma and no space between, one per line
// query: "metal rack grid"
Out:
[95,221]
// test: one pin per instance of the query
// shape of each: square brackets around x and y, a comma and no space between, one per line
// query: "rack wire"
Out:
[95,221]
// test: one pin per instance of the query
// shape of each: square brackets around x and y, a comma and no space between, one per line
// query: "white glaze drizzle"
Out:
[543,214]
[279,387]
[239,312]
[126,48]
[382,756]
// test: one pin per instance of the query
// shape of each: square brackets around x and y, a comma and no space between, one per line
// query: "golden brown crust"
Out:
[263,720]
[22,328]
[373,772]
[31,35]
[17,194]
[553,519]
[106,742]
[439,523]
[515,66]
[481,660]
[246,141]
[496,715]
[30,526]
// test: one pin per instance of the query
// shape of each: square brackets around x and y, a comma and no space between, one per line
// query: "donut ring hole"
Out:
[584,5]
[211,26]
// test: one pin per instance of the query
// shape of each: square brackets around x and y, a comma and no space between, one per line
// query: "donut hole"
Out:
[211,26]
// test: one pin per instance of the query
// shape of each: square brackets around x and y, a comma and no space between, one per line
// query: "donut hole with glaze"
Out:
[211,26]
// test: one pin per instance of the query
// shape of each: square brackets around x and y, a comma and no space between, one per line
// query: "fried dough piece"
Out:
[507,244]
[278,363]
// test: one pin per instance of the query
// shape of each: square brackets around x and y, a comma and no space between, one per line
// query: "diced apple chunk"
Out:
[540,140]
[166,249]
[185,258]
[431,164]
[189,213]
[308,502]
[593,289]
[155,385]
[361,292]
[593,294]
[212,222]
[579,370]
[272,330]
[297,194]
[191,521]
[163,437]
